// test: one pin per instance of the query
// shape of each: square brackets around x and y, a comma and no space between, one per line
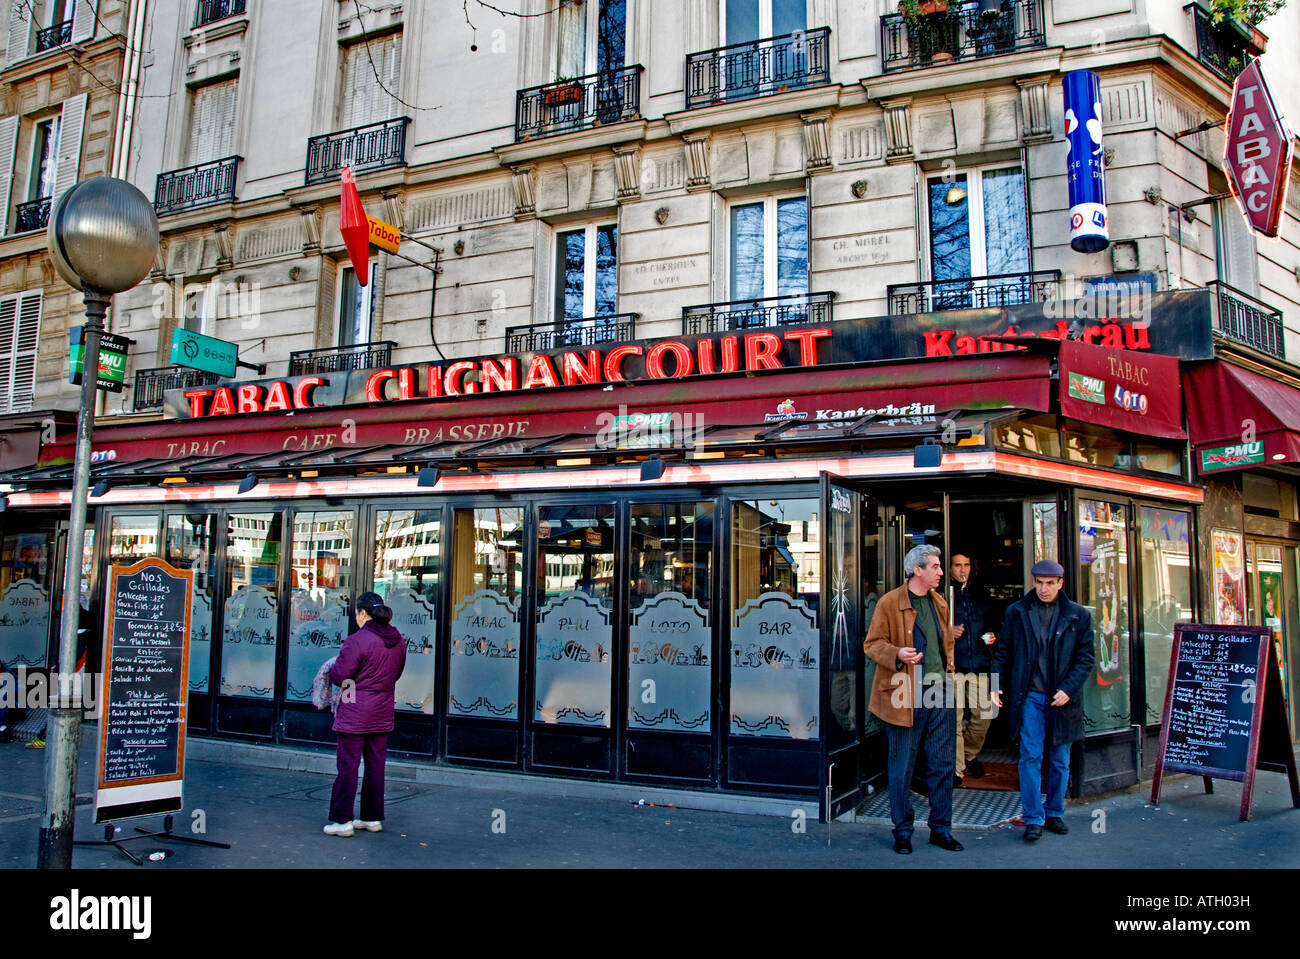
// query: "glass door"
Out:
[1268,600]
[250,623]
[842,632]
[1104,590]
[191,543]
[27,596]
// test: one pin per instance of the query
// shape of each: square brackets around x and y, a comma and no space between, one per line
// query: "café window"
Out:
[773,619]
[27,579]
[586,273]
[192,544]
[1103,590]
[1165,537]
[251,614]
[768,248]
[408,544]
[978,228]
[1035,434]
[320,595]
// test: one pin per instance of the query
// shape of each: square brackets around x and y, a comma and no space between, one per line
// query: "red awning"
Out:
[1238,419]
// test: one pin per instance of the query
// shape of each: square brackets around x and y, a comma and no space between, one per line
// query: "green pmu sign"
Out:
[204,353]
[112,360]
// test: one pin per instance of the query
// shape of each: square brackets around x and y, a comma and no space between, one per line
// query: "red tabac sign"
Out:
[1258,151]
[1122,389]
[355,227]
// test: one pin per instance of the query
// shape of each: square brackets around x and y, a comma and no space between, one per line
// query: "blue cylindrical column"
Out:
[1085,164]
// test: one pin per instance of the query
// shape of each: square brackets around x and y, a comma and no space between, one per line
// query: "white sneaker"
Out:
[342,829]
[370,825]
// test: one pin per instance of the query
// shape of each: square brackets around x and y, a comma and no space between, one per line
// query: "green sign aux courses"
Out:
[204,353]
[112,360]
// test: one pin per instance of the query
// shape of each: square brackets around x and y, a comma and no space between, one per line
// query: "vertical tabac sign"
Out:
[1258,150]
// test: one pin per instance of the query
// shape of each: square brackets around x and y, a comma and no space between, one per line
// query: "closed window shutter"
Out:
[27,342]
[83,20]
[69,162]
[1237,255]
[20,32]
[8,144]
[212,123]
[365,99]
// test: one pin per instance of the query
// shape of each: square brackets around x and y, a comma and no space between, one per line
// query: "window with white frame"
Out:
[20,334]
[55,145]
[201,311]
[592,37]
[768,247]
[45,154]
[28,17]
[586,273]
[212,122]
[1234,248]
[744,21]
[371,81]
[356,307]
[978,228]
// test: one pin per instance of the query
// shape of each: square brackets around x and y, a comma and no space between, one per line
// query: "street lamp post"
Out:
[103,238]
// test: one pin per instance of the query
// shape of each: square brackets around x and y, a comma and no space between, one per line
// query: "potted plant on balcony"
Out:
[564,92]
[931,29]
[1241,16]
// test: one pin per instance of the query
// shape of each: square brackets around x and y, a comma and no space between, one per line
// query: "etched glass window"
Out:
[486,581]
[407,547]
[319,596]
[26,585]
[192,544]
[774,636]
[1103,589]
[670,635]
[575,599]
[1166,594]
[252,625]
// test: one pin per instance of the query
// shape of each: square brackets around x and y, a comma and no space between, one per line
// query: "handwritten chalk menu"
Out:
[146,661]
[1222,694]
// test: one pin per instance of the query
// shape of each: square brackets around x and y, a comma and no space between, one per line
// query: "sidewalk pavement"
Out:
[272,816]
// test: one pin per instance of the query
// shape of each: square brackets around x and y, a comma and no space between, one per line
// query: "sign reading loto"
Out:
[1258,151]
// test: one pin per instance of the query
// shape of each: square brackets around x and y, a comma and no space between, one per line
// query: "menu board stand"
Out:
[1220,721]
[141,766]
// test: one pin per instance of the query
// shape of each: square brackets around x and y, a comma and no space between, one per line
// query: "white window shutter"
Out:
[26,345]
[83,20]
[365,99]
[20,32]
[8,144]
[212,122]
[69,160]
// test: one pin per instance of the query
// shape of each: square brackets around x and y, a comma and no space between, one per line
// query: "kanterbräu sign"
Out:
[1122,389]
[1172,322]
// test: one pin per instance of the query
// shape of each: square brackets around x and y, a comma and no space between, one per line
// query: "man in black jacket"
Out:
[1043,660]
[973,637]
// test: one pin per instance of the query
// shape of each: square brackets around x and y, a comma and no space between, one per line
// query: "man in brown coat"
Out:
[910,640]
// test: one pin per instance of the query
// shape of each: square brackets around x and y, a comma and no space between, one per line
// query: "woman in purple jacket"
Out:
[368,666]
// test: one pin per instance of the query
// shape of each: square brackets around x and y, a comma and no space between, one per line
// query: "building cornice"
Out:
[54,59]
[779,105]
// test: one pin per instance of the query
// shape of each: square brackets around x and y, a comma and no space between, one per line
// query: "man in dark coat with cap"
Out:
[1044,657]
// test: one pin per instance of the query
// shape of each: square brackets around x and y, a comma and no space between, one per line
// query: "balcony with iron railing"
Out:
[337,359]
[376,146]
[196,186]
[974,292]
[59,35]
[210,11]
[32,216]
[1241,317]
[966,30]
[1224,47]
[151,385]
[599,99]
[794,309]
[758,68]
[540,337]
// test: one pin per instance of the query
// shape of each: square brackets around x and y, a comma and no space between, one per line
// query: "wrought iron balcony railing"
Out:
[50,38]
[376,146]
[758,68]
[974,292]
[210,11]
[585,332]
[591,101]
[1247,320]
[196,186]
[150,385]
[336,359]
[789,310]
[967,30]
[1218,46]
[32,216]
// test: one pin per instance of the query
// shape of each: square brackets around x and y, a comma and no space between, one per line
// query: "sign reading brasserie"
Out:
[1175,323]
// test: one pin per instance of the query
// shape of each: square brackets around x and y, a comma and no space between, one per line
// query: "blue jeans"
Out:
[937,728]
[1033,733]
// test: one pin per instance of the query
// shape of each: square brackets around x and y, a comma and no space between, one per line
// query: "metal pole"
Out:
[63,732]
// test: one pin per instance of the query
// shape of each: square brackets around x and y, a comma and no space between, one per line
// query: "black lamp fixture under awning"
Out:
[428,476]
[653,468]
[100,488]
[247,483]
[927,455]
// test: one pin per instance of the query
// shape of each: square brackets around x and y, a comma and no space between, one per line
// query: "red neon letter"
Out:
[277,397]
[614,361]
[500,376]
[761,351]
[705,349]
[654,360]
[576,371]
[302,391]
[375,385]
[406,383]
[540,372]
[807,340]
[250,395]
[453,383]
[196,398]
[222,403]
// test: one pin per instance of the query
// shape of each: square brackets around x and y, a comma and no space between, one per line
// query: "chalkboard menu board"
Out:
[1224,700]
[146,662]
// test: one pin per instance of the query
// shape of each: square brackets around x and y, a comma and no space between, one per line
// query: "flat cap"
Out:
[1047,567]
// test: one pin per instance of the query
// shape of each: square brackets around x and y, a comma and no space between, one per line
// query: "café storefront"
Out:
[650,562]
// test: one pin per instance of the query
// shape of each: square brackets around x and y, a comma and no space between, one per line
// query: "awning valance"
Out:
[1238,419]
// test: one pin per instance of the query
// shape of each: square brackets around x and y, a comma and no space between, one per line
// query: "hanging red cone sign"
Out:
[1258,151]
[355,227]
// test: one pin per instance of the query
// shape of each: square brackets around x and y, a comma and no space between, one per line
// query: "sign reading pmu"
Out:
[1257,151]
[112,360]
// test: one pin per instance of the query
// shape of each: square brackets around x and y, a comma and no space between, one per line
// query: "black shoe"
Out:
[903,845]
[1033,833]
[956,782]
[1056,824]
[975,770]
[945,840]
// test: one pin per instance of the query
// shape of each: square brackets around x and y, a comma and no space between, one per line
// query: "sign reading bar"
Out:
[112,360]
[204,353]
[146,663]
[1223,701]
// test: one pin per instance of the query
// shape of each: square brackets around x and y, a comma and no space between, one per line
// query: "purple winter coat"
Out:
[373,657]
